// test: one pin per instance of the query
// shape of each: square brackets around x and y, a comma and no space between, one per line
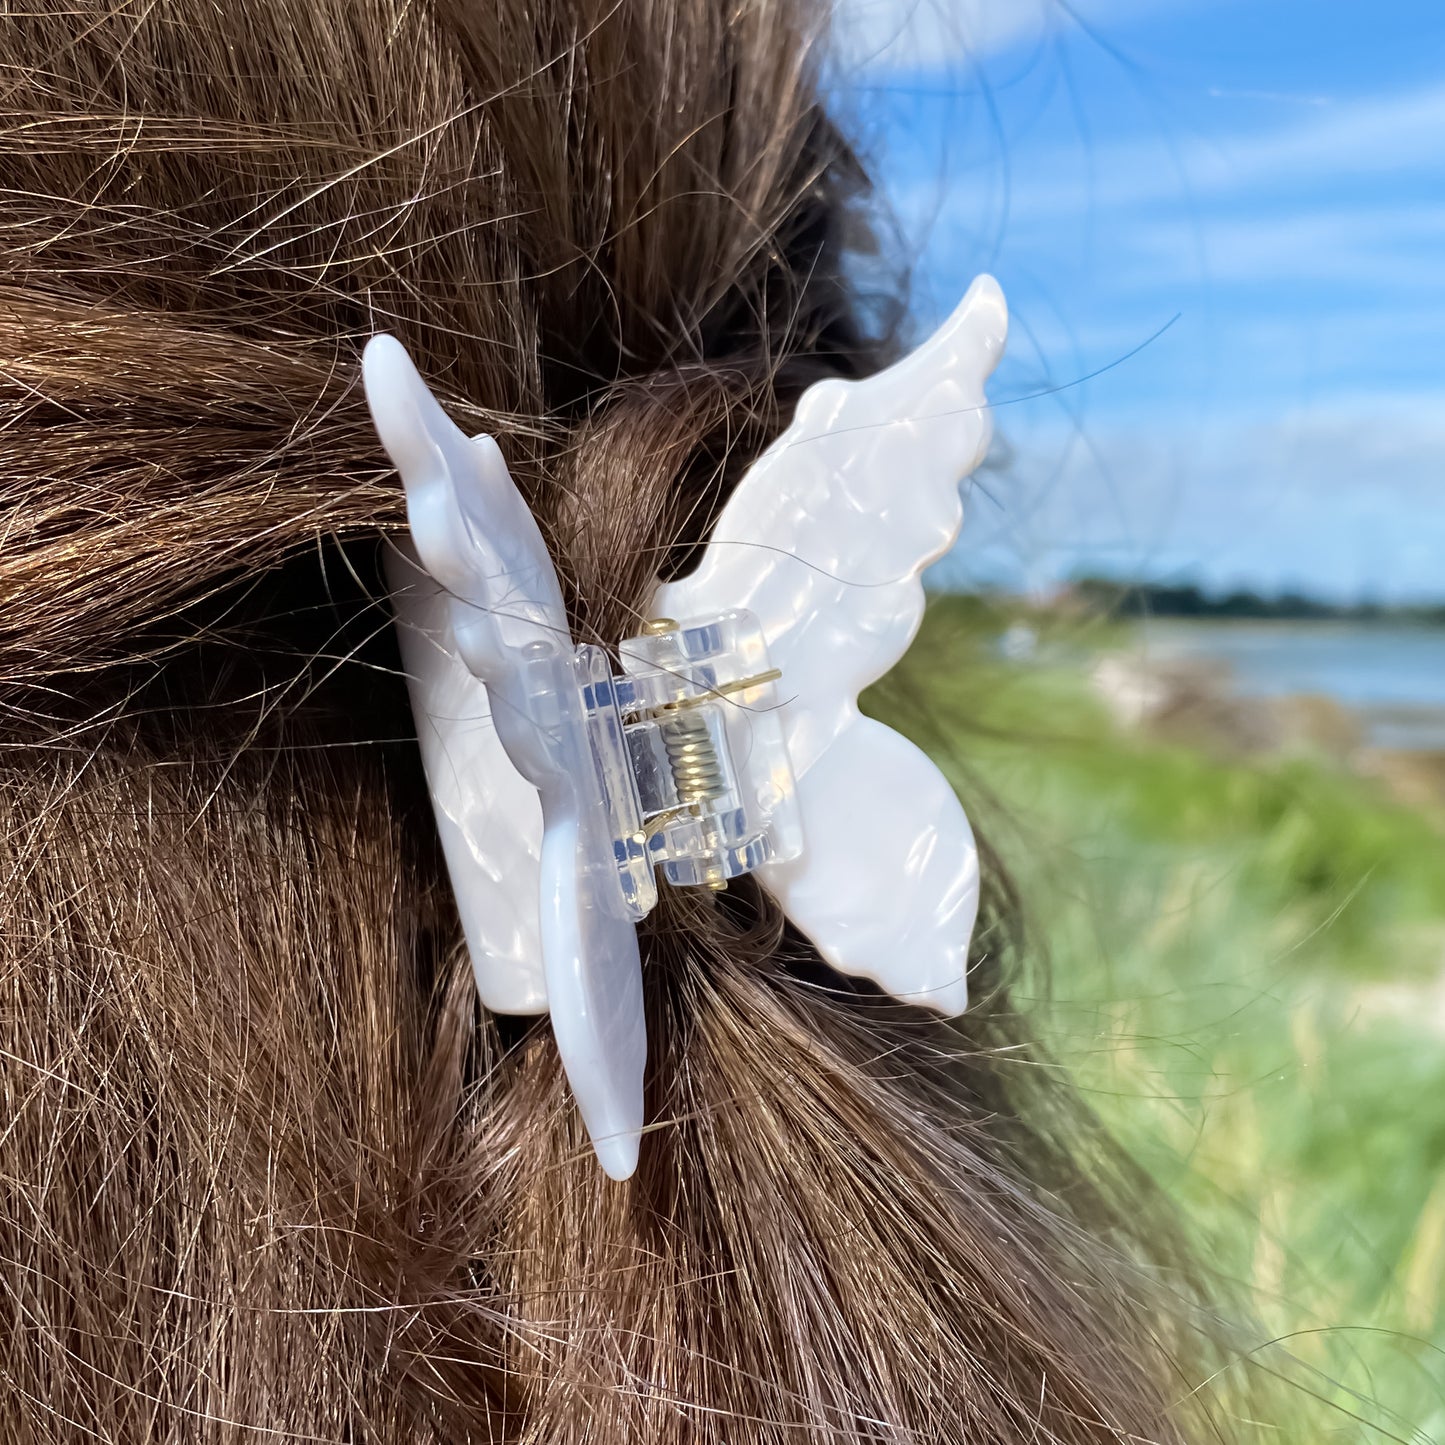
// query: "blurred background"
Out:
[1190,650]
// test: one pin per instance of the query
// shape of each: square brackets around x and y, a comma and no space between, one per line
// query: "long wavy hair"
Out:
[268,1171]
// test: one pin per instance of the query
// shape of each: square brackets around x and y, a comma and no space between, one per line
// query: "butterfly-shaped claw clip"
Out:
[730,741]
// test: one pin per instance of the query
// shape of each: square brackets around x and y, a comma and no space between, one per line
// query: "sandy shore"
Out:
[1193,700]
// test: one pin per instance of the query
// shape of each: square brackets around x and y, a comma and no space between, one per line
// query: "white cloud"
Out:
[1295,277]
[1274,97]
[1368,138]
[927,35]
[1373,136]
[1334,243]
[924,34]
[1345,501]
[1315,165]
[1290,430]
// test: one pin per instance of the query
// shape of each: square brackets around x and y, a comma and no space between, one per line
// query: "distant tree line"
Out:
[1159,599]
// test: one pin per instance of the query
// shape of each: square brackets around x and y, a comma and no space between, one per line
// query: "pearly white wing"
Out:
[825,540]
[489,817]
[489,661]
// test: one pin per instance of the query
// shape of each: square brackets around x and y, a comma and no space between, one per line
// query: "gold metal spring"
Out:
[697,771]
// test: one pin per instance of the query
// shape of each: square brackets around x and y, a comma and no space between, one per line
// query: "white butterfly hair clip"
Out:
[730,740]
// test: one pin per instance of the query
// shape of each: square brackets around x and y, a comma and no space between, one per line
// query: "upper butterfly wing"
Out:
[825,540]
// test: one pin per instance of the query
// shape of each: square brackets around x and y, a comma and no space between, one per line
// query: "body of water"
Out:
[1393,676]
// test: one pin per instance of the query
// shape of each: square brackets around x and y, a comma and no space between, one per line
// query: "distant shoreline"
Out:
[1137,601]
[1388,673]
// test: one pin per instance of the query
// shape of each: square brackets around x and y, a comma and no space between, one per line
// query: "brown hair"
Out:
[268,1171]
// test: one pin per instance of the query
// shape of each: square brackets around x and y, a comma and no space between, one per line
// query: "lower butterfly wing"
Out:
[825,541]
[489,817]
[892,892]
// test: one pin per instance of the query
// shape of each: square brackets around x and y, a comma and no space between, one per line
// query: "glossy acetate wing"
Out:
[825,541]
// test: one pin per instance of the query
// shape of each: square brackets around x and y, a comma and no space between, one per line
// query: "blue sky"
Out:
[1263,180]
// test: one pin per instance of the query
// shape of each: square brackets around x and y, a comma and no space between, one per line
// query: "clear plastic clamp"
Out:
[690,755]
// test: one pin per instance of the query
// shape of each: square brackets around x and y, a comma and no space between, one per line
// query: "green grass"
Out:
[1248,979]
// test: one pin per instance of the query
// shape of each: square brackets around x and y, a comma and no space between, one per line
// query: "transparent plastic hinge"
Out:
[690,756]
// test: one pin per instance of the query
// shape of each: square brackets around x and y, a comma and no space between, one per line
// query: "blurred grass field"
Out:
[1248,980]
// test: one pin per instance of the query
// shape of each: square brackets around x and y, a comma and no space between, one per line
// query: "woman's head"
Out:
[268,1168]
